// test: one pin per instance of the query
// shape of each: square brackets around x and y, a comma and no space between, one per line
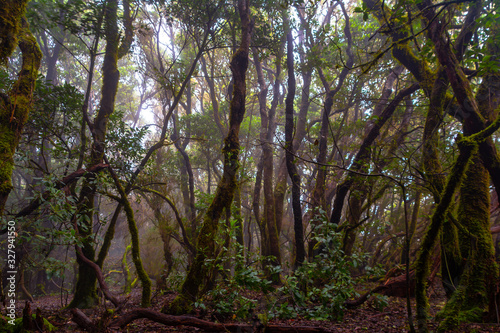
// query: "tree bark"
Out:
[300,132]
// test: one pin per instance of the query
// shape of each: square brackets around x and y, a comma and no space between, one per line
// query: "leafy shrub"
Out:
[318,290]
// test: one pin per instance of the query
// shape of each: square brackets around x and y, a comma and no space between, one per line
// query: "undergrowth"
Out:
[318,290]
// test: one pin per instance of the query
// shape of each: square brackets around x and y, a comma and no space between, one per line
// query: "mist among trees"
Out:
[250,161]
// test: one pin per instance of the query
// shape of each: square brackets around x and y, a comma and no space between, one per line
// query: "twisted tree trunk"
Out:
[227,185]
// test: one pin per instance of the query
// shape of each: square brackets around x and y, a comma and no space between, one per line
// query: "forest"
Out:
[249,165]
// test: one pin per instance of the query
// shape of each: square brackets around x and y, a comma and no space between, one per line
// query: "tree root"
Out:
[100,278]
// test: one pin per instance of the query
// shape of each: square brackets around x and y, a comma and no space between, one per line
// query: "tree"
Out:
[290,163]
[85,293]
[227,185]
[435,86]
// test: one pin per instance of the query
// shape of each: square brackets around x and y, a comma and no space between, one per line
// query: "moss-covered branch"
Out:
[134,235]
[10,27]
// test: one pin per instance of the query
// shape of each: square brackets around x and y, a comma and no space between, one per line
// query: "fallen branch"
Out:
[205,325]
[394,286]
[352,304]
[82,320]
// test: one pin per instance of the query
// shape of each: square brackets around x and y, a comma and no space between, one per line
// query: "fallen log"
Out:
[82,320]
[394,286]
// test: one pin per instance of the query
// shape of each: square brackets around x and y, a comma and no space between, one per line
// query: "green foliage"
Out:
[125,144]
[55,118]
[203,200]
[228,301]
[5,81]
[364,10]
[82,17]
[193,13]
[318,289]
[174,281]
[232,298]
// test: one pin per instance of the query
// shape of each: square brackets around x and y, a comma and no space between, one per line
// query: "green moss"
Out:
[10,25]
[470,302]
[18,326]
[136,257]
[422,266]
[108,237]
[85,296]
[180,305]
[452,315]
[14,108]
[126,270]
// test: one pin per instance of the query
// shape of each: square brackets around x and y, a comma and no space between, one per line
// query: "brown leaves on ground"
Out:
[392,318]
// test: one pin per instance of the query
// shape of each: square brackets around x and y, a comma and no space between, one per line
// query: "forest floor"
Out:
[393,318]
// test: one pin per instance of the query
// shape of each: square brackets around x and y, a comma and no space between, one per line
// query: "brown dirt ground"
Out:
[364,319]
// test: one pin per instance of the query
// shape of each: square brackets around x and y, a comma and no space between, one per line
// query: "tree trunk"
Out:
[300,132]
[227,185]
[300,251]
[471,299]
[85,293]
[318,199]
[268,227]
[478,280]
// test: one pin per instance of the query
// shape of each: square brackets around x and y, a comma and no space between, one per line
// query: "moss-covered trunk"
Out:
[228,183]
[479,271]
[85,292]
[471,299]
[478,279]
[429,240]
[16,104]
